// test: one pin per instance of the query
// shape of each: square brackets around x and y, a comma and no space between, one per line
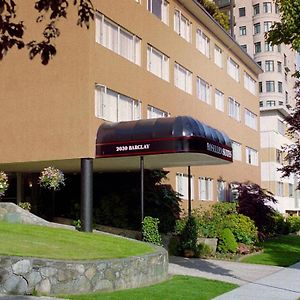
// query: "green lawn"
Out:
[280,251]
[46,242]
[176,288]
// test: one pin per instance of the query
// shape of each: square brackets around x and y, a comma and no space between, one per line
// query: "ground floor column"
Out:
[189,192]
[87,194]
[20,188]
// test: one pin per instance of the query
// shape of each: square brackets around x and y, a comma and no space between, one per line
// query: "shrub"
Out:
[280,226]
[3,183]
[25,205]
[227,242]
[205,250]
[150,231]
[294,223]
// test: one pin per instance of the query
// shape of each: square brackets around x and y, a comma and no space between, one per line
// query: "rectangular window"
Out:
[270,86]
[256,28]
[250,119]
[291,190]
[153,112]
[205,189]
[251,156]
[244,47]
[280,90]
[118,39]
[219,100]
[218,56]
[277,8]
[157,63]
[242,11]
[281,127]
[267,26]
[267,7]
[203,90]
[269,65]
[115,107]
[243,30]
[221,189]
[183,78]
[233,69]
[279,189]
[268,47]
[249,83]
[236,151]
[182,25]
[202,43]
[233,109]
[260,87]
[279,156]
[257,47]
[279,67]
[182,185]
[159,8]
[270,103]
[256,9]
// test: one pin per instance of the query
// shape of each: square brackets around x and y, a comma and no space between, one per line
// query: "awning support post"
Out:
[189,192]
[142,187]
[87,194]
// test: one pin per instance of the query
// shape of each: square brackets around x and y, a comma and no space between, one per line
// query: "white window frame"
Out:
[163,70]
[219,100]
[267,7]
[221,190]
[234,109]
[243,30]
[182,26]
[256,28]
[249,83]
[205,188]
[250,119]
[164,10]
[203,90]
[103,39]
[203,43]
[251,156]
[267,26]
[182,185]
[102,108]
[279,189]
[270,86]
[233,69]
[188,85]
[218,56]
[269,66]
[236,151]
[153,113]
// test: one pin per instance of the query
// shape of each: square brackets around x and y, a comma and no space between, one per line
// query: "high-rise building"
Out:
[139,59]
[253,19]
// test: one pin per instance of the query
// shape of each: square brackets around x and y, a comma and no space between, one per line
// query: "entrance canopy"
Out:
[164,142]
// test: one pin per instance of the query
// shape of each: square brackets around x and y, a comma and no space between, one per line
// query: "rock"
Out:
[44,287]
[48,271]
[21,267]
[16,285]
[90,272]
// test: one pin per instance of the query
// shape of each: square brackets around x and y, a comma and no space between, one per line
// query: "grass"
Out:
[280,251]
[47,242]
[176,288]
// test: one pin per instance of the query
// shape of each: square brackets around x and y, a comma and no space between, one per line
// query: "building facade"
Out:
[253,19]
[139,59]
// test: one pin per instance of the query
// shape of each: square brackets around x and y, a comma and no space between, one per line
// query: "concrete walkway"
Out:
[256,281]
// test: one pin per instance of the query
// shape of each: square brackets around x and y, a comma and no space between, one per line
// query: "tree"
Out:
[50,11]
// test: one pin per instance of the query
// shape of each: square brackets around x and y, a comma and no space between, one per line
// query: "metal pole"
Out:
[87,194]
[142,187]
[189,192]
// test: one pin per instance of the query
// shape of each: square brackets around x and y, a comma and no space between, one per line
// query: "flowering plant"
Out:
[3,183]
[52,178]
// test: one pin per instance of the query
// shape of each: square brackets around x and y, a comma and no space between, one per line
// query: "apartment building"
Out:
[139,59]
[253,19]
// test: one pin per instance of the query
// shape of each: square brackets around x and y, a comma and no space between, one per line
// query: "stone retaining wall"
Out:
[20,275]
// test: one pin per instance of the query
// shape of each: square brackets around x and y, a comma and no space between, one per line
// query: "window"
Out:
[267,7]
[205,189]
[270,103]
[182,185]
[243,30]
[261,103]
[157,63]
[202,42]
[250,119]
[236,151]
[257,47]
[259,63]
[280,87]
[270,86]
[279,156]
[286,97]
[115,107]
[233,69]
[242,11]
[159,8]
[267,26]
[219,100]
[153,112]
[183,78]
[281,127]
[118,39]
[276,8]
[233,109]
[279,189]
[279,67]
[221,189]
[203,90]
[260,87]
[244,47]
[256,9]
[291,190]
[182,25]
[256,28]
[269,65]
[268,47]
[249,83]
[251,156]
[218,56]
